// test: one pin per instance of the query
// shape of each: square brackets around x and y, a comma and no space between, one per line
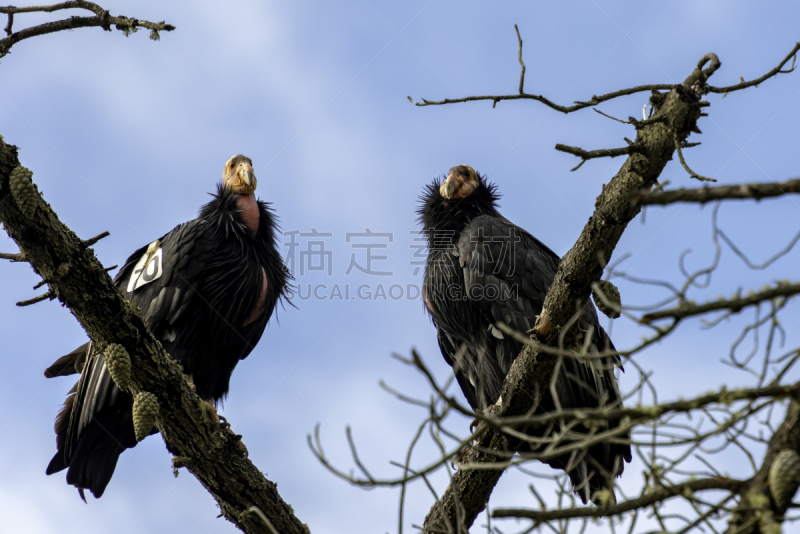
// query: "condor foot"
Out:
[237,438]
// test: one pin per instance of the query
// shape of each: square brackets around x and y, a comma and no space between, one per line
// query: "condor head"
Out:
[461,182]
[238,175]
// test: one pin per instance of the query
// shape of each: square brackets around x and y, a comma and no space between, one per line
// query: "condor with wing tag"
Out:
[206,290]
[148,268]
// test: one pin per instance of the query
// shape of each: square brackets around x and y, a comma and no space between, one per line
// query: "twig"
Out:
[89,242]
[10,23]
[539,98]
[522,64]
[702,195]
[13,257]
[777,70]
[614,119]
[256,510]
[602,153]
[645,413]
[689,309]
[686,167]
[101,18]
[49,295]
[654,496]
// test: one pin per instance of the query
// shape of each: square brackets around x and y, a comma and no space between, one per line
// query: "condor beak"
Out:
[247,175]
[246,179]
[450,186]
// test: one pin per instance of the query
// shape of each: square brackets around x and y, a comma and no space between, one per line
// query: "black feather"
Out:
[209,288]
[481,270]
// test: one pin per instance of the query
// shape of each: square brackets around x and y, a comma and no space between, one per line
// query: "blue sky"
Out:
[129,135]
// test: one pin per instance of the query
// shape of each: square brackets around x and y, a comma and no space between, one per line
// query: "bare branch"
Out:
[95,239]
[602,153]
[522,64]
[13,257]
[653,496]
[699,76]
[539,98]
[702,195]
[686,167]
[49,295]
[774,72]
[689,309]
[645,413]
[101,18]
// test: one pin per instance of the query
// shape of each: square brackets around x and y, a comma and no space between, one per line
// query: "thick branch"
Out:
[735,305]
[102,18]
[531,373]
[211,455]
[724,192]
[653,496]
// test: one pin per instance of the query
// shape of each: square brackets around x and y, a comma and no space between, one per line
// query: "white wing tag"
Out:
[148,268]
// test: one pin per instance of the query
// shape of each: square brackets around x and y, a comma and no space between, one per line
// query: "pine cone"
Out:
[119,365]
[611,294]
[784,477]
[145,410]
[23,191]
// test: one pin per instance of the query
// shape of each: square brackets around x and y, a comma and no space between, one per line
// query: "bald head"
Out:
[461,182]
[238,175]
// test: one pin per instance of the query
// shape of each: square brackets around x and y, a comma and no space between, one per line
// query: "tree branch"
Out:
[102,18]
[735,305]
[95,239]
[686,165]
[649,413]
[702,195]
[12,257]
[210,454]
[653,496]
[539,98]
[521,63]
[44,296]
[586,155]
[774,72]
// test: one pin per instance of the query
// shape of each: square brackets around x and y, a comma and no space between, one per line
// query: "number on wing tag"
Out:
[146,271]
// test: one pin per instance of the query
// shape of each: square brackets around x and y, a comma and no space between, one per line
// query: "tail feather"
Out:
[69,364]
[93,428]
